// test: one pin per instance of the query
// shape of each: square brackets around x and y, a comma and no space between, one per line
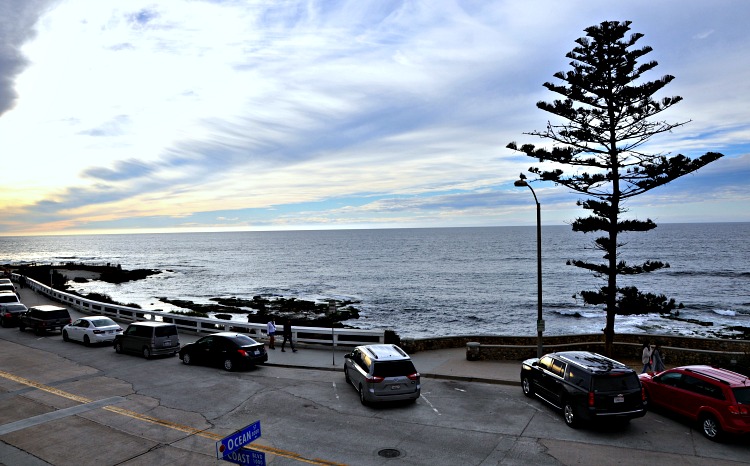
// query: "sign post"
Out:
[332,313]
[227,448]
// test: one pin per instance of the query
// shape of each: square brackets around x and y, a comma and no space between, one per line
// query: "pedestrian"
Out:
[271,332]
[646,358]
[658,362]
[288,336]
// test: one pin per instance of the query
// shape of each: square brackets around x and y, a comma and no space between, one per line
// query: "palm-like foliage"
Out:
[608,112]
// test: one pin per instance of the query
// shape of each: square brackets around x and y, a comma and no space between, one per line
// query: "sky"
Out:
[126,116]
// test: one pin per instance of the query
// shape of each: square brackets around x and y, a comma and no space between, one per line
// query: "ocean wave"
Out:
[586,314]
[725,312]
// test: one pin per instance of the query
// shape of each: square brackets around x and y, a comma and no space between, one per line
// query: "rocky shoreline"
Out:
[260,309]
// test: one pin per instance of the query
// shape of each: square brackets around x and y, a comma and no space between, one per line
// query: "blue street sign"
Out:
[247,457]
[235,441]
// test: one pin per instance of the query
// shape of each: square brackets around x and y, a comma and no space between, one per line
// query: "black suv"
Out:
[44,318]
[585,386]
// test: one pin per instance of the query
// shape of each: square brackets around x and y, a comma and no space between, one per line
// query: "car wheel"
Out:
[362,395]
[569,415]
[3,323]
[86,340]
[38,331]
[146,352]
[65,336]
[346,375]
[118,347]
[21,327]
[528,390]
[228,365]
[711,428]
[186,359]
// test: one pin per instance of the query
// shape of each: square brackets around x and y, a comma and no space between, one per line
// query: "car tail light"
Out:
[739,410]
[591,399]
[374,379]
[98,331]
[7,314]
[643,394]
[413,376]
[242,352]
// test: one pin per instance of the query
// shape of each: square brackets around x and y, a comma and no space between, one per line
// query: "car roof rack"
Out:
[698,371]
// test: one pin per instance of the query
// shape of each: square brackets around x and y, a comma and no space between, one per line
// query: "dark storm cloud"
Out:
[17,21]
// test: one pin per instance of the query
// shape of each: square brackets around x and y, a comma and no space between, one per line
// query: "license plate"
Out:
[167,342]
[395,387]
[619,399]
[256,352]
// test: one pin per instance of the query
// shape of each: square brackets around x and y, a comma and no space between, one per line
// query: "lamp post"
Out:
[539,319]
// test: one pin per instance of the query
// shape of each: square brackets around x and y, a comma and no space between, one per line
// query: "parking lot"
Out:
[65,403]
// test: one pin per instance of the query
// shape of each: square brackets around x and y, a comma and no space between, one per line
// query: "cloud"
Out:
[266,113]
[17,20]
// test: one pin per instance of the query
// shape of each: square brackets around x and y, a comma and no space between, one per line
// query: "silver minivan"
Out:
[382,373]
[148,339]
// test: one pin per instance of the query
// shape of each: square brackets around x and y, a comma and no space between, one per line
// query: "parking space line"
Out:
[58,414]
[105,404]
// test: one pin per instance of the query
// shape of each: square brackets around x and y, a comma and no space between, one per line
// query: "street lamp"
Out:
[539,319]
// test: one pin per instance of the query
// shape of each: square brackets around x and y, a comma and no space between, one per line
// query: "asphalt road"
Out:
[67,404]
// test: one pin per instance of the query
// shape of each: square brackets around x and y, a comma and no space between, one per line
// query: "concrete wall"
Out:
[676,350]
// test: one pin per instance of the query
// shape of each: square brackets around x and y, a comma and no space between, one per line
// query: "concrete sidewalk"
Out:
[448,364]
[440,364]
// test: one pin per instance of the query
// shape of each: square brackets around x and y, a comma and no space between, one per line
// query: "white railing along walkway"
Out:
[315,335]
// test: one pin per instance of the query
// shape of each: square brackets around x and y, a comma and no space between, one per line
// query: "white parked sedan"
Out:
[96,329]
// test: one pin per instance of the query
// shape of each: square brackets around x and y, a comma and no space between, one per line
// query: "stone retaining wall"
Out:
[676,350]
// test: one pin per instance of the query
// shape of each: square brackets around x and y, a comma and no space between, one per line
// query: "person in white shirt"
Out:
[271,333]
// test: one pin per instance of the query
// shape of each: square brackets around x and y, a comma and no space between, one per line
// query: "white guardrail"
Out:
[346,337]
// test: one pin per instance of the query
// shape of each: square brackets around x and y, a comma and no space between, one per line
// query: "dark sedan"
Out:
[226,349]
[10,313]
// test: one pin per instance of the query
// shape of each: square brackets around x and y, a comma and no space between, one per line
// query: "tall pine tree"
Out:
[608,109]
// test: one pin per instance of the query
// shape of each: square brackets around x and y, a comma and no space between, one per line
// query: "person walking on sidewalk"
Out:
[288,336]
[271,327]
[646,358]
[658,362]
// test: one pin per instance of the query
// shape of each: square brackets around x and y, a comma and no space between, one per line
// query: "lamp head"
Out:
[520,183]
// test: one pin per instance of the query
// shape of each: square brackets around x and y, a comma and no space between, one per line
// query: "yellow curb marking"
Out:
[161,422]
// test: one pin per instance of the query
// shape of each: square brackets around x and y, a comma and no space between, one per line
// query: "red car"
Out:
[718,399]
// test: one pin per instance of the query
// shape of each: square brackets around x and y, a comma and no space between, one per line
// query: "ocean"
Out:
[426,282]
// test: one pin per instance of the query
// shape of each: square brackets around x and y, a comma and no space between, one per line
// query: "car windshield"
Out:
[243,340]
[394,368]
[166,331]
[14,307]
[615,382]
[742,395]
[103,322]
[8,298]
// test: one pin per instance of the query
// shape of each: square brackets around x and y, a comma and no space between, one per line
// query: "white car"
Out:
[95,329]
[8,297]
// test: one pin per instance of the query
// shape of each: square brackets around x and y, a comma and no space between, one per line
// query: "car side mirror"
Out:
[347,356]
